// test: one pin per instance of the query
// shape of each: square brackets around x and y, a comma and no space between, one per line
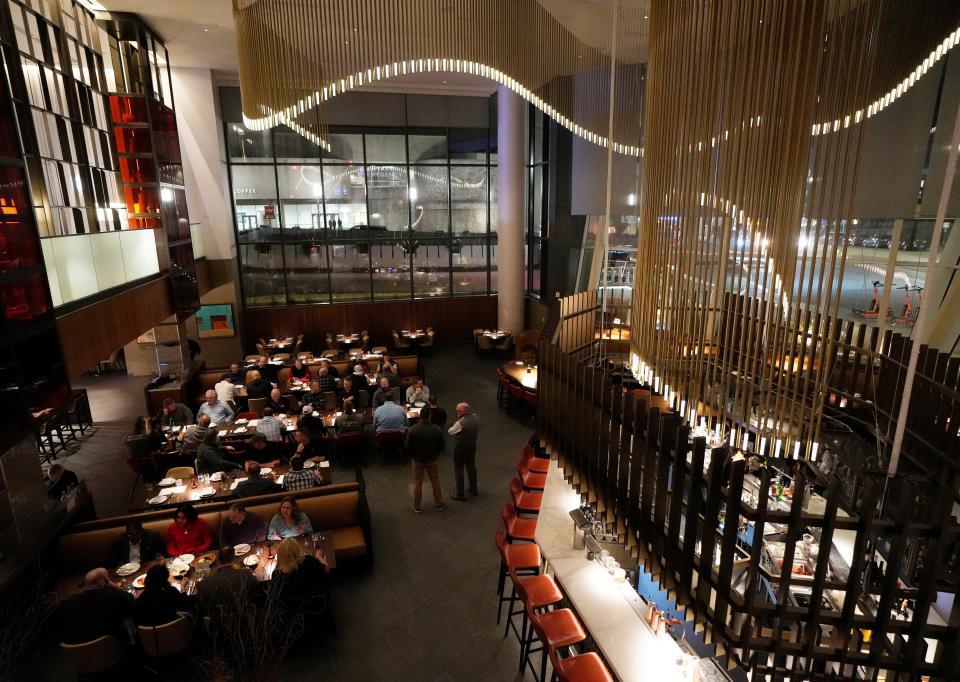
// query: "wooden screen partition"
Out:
[684,509]
[577,329]
[454,320]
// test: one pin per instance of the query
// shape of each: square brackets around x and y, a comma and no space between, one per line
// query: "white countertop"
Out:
[606,609]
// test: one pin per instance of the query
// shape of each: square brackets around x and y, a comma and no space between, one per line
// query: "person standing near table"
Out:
[224,389]
[438,415]
[218,411]
[425,444]
[464,432]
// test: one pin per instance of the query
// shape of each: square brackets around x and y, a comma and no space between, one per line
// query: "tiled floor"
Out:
[426,609]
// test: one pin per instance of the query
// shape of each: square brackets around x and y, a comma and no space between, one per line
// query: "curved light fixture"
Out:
[294,56]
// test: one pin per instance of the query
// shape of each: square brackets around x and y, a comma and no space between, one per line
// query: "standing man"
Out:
[424,444]
[464,432]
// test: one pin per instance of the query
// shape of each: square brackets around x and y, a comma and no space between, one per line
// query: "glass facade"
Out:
[384,214]
[538,157]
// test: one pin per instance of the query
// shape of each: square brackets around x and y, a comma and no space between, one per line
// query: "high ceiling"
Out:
[202,35]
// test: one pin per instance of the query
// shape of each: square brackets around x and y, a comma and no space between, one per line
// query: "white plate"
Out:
[216,476]
[240,422]
[315,414]
[309,464]
[207,492]
[139,581]
[186,558]
[167,481]
[242,429]
[324,464]
[159,499]
[265,470]
[518,363]
[254,422]
[419,403]
[222,433]
[241,549]
[251,560]
[128,569]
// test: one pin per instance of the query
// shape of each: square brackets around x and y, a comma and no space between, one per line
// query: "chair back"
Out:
[363,399]
[389,437]
[283,376]
[500,539]
[329,354]
[379,349]
[516,488]
[294,402]
[256,405]
[246,415]
[180,472]
[251,358]
[142,466]
[95,656]
[483,342]
[518,585]
[509,515]
[168,639]
[330,400]
[354,352]
[532,398]
[261,348]
[281,356]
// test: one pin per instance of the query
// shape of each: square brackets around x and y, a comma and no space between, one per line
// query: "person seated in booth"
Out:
[209,457]
[241,527]
[255,483]
[331,370]
[417,392]
[160,602]
[384,389]
[308,445]
[136,544]
[267,371]
[349,389]
[387,366]
[289,521]
[188,533]
[389,416]
[224,389]
[300,371]
[60,481]
[261,450]
[349,421]
[174,414]
[238,375]
[258,387]
[315,397]
[299,478]
[278,403]
[312,425]
[218,411]
[194,434]
[299,581]
[101,608]
[270,426]
[360,375]
[325,381]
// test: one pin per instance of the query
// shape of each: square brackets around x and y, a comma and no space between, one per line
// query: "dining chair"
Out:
[332,353]
[262,347]
[294,402]
[426,345]
[522,558]
[352,443]
[354,352]
[399,343]
[390,441]
[535,592]
[77,413]
[167,639]
[256,405]
[330,400]
[251,358]
[588,667]
[363,399]
[143,469]
[180,472]
[97,656]
[379,349]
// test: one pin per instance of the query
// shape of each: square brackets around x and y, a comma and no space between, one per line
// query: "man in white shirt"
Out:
[224,389]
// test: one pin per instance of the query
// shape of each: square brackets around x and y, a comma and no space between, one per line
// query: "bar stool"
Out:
[536,592]
[517,527]
[538,464]
[531,480]
[587,667]
[524,559]
[555,630]
[525,502]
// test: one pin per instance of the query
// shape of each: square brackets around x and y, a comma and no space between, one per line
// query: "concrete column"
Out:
[511,181]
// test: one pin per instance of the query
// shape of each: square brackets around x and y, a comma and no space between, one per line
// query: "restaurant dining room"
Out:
[656,300]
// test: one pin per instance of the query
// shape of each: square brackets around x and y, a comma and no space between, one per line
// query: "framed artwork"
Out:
[216,321]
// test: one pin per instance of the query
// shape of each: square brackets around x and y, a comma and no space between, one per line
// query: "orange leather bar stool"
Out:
[583,668]
[555,630]
[518,528]
[531,479]
[536,592]
[525,502]
[524,559]
[539,465]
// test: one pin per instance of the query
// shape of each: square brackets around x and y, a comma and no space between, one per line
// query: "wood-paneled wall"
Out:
[92,333]
[453,319]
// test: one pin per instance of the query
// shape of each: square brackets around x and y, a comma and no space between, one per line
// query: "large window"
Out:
[383,214]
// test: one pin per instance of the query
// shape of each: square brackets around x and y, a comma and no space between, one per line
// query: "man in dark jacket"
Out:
[258,387]
[438,415]
[424,444]
[209,459]
[255,483]
[100,609]
[464,432]
[136,544]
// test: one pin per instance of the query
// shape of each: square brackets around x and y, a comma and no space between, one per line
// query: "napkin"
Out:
[291,428]
[253,422]
[222,433]
[280,479]
[234,485]
[324,463]
[175,490]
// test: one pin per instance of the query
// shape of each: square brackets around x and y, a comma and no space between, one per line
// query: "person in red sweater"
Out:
[188,534]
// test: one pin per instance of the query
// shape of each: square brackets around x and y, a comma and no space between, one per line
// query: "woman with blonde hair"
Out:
[301,586]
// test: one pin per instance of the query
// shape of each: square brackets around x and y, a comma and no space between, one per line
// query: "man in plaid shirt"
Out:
[299,478]
[270,426]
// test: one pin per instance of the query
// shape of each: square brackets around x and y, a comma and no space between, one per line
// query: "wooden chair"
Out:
[484,345]
[262,347]
[379,349]
[251,358]
[77,414]
[294,402]
[180,472]
[96,656]
[399,343]
[256,405]
[331,354]
[168,639]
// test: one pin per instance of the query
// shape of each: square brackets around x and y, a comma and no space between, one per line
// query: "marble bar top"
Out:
[610,611]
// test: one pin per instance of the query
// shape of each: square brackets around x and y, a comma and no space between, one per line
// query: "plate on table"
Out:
[309,464]
[186,558]
[208,492]
[265,470]
[242,429]
[139,581]
[240,422]
[159,499]
[164,482]
[419,403]
[251,560]
[216,476]
[128,569]
[241,549]
[518,363]
[178,570]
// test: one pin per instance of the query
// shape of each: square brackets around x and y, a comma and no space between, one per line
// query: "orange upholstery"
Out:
[517,557]
[583,668]
[557,629]
[525,502]
[517,528]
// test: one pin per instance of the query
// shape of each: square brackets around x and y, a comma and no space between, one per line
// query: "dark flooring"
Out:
[426,608]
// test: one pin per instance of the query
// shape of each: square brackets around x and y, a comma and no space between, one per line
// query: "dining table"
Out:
[187,571]
[496,334]
[349,339]
[416,335]
[523,372]
[280,344]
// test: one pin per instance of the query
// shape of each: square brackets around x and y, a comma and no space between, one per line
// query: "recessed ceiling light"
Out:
[206,30]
